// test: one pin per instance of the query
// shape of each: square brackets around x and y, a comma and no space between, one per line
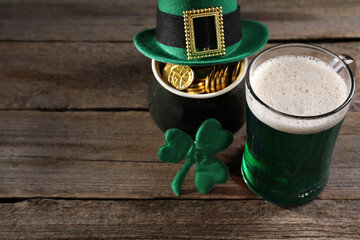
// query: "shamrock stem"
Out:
[180,176]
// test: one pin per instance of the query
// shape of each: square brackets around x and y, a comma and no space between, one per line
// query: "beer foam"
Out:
[300,86]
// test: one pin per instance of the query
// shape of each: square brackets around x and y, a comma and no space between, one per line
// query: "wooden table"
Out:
[78,146]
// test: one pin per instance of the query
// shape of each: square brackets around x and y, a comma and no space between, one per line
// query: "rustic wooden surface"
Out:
[78,146]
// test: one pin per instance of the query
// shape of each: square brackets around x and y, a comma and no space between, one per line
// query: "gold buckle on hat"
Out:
[192,51]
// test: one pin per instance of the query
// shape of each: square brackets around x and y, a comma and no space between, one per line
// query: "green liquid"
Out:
[286,169]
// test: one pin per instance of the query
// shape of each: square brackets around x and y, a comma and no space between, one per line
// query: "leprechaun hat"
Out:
[201,32]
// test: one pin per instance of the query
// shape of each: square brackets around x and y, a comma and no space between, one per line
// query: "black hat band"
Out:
[170,30]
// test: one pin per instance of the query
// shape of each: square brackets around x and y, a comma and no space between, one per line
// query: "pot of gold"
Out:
[183,96]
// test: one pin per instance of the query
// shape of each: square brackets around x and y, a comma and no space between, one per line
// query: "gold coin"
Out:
[213,82]
[218,80]
[199,91]
[235,71]
[208,82]
[197,80]
[195,88]
[242,68]
[181,76]
[225,78]
[166,71]
[197,84]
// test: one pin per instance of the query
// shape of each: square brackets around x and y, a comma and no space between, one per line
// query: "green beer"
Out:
[287,168]
[295,108]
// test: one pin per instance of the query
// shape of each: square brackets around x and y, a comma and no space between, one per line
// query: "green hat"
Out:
[201,32]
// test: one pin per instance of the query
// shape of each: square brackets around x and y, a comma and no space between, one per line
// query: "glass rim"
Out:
[302,45]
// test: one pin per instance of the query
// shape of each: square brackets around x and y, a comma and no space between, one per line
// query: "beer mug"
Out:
[297,96]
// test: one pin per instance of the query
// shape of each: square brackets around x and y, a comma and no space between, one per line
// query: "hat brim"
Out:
[254,37]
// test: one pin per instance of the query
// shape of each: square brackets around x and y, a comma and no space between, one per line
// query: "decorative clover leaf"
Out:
[209,170]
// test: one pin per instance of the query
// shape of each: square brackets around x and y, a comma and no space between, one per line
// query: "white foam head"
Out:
[299,86]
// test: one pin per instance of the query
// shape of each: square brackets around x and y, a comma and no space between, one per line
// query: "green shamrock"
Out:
[209,170]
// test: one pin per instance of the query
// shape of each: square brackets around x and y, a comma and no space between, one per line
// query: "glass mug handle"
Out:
[347,59]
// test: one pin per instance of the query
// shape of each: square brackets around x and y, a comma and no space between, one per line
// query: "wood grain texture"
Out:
[218,219]
[117,136]
[114,155]
[86,167]
[90,75]
[72,75]
[120,20]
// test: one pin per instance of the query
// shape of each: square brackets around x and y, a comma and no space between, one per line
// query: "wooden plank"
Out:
[72,75]
[118,136]
[305,19]
[80,20]
[119,20]
[113,155]
[37,177]
[89,75]
[108,136]
[218,219]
